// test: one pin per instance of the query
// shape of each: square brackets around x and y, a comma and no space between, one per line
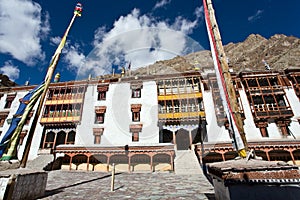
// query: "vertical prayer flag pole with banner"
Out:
[48,77]
[224,80]
[8,143]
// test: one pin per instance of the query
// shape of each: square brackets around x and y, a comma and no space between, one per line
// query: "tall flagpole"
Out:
[48,77]
[225,81]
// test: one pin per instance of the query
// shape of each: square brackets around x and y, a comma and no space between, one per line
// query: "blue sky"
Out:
[115,33]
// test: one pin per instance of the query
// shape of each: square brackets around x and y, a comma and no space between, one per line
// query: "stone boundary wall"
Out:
[24,184]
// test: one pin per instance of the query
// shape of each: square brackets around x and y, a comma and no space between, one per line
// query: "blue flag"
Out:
[29,99]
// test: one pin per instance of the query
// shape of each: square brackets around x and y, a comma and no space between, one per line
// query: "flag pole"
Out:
[227,91]
[48,77]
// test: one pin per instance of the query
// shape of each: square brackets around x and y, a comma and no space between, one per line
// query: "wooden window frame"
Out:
[135,136]
[99,118]
[136,93]
[135,129]
[101,95]
[136,109]
[97,132]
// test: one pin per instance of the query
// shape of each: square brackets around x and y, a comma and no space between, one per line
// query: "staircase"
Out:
[42,162]
[186,162]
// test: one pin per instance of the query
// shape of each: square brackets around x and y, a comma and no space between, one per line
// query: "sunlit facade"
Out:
[139,122]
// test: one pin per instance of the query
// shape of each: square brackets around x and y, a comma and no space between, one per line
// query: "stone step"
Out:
[186,162]
[40,162]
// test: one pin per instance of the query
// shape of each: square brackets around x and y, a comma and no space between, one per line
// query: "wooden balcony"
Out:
[63,101]
[180,96]
[67,119]
[181,115]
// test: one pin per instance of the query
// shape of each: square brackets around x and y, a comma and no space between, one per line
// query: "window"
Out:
[100,114]
[136,109]
[54,137]
[71,137]
[9,100]
[262,125]
[2,120]
[135,129]
[3,116]
[283,127]
[264,132]
[99,118]
[66,92]
[135,116]
[62,110]
[136,88]
[98,132]
[49,140]
[101,95]
[136,93]
[102,89]
[135,136]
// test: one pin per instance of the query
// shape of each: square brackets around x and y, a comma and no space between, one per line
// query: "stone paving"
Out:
[97,185]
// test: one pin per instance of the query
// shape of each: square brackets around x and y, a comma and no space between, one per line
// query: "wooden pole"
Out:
[48,78]
[112,185]
[227,76]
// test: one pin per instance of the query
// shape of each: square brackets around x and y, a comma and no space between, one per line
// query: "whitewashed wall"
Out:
[118,118]
[251,132]
[118,115]
[295,105]
[214,132]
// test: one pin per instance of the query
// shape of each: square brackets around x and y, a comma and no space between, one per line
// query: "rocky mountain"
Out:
[6,82]
[279,51]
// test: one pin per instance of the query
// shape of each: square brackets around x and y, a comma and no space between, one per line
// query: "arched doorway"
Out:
[167,136]
[71,137]
[212,157]
[162,162]
[80,162]
[61,138]
[280,155]
[49,140]
[182,139]
[99,162]
[262,154]
[121,162]
[296,154]
[140,162]
[230,155]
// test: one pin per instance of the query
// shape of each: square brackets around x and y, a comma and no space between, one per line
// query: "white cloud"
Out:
[256,16]
[55,40]
[139,39]
[199,12]
[10,70]
[161,3]
[73,56]
[99,34]
[21,30]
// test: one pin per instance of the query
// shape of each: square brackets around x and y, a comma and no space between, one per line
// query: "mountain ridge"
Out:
[279,51]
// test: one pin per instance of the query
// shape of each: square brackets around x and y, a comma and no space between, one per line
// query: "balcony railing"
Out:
[181,115]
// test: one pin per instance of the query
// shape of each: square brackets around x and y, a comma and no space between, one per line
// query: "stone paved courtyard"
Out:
[97,185]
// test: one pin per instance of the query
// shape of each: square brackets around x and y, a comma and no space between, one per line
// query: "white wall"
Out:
[118,116]
[214,132]
[252,133]
[295,105]
[84,130]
